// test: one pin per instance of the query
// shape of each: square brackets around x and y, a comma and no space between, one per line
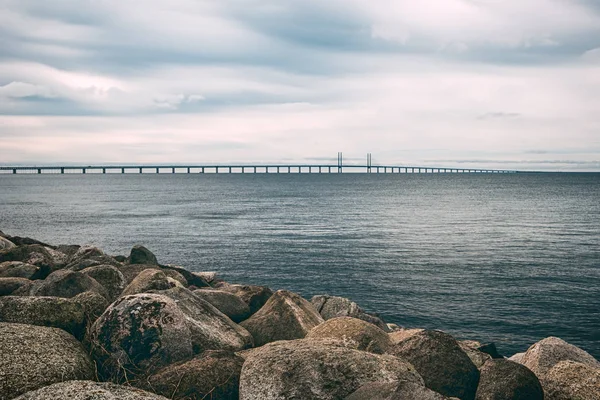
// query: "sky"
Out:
[508,84]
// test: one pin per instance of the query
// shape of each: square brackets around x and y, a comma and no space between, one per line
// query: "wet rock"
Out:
[148,279]
[46,258]
[209,327]
[9,286]
[6,244]
[35,356]
[445,368]
[306,369]
[544,354]
[471,349]
[354,333]
[141,255]
[228,303]
[88,390]
[89,256]
[490,348]
[22,241]
[284,316]
[254,296]
[568,380]
[405,390]
[17,269]
[507,380]
[66,283]
[213,375]
[109,277]
[334,306]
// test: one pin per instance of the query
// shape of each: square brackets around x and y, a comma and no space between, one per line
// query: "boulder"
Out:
[518,357]
[6,244]
[141,255]
[109,277]
[210,328]
[18,269]
[354,333]
[568,380]
[46,258]
[445,368]
[9,286]
[507,380]
[544,354]
[21,241]
[213,375]
[403,390]
[284,316]
[89,256]
[402,334]
[471,348]
[191,279]
[228,303]
[148,279]
[254,296]
[36,356]
[334,306]
[130,271]
[88,390]
[309,369]
[208,276]
[66,283]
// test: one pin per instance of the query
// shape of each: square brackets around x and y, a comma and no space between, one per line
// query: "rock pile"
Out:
[76,323]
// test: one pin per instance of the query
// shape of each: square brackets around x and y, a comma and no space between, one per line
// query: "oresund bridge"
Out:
[338,168]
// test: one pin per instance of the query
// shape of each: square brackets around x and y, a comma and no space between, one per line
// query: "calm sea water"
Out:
[504,258]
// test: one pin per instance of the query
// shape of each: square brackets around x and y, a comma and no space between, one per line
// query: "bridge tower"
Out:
[340,162]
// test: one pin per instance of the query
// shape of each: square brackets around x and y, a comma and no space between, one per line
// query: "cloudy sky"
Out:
[488,83]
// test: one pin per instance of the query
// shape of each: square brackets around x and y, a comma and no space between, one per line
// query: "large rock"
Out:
[109,277]
[507,380]
[445,368]
[213,375]
[544,354]
[148,279]
[228,303]
[89,256]
[354,333]
[471,348]
[141,255]
[35,356]
[284,316]
[191,279]
[334,306]
[404,390]
[568,380]
[254,296]
[130,271]
[88,390]
[9,286]
[6,244]
[403,334]
[66,283]
[18,269]
[46,258]
[306,369]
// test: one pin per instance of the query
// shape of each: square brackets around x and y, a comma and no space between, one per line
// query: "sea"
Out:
[503,258]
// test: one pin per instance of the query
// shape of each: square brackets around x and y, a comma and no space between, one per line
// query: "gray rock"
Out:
[130,271]
[405,390]
[354,333]
[306,369]
[18,269]
[6,244]
[46,258]
[89,256]
[109,277]
[228,303]
[208,276]
[403,334]
[445,368]
[141,255]
[334,306]
[215,374]
[147,280]
[191,278]
[568,380]
[544,354]
[9,286]
[254,296]
[35,356]
[471,348]
[507,380]
[88,390]
[518,357]
[209,327]
[66,283]
[285,316]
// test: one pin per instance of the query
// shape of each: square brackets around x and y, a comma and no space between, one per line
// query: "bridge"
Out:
[338,168]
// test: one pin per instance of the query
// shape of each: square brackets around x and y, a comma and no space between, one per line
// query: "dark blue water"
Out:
[504,258]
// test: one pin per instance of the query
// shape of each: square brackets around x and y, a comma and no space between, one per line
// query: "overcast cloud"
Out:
[483,83]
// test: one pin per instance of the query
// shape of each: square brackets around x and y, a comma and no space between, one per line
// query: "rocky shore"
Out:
[76,323]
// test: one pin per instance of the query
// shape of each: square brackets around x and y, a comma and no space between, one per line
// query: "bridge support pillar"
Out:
[277,169]
[229,169]
[83,170]
[14,170]
[62,170]
[122,170]
[319,169]
[329,169]
[140,170]
[39,171]
[173,170]
[188,170]
[254,169]
[103,171]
